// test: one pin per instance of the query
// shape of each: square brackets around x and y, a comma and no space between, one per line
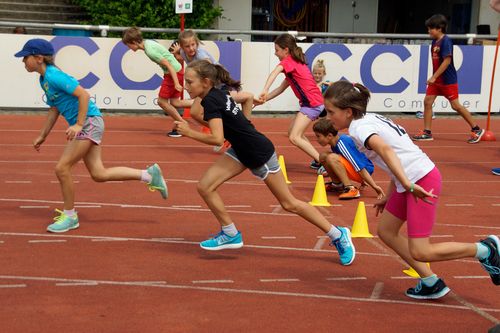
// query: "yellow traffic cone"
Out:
[412,272]
[281,160]
[319,196]
[360,225]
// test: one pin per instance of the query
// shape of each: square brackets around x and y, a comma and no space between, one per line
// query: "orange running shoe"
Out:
[350,192]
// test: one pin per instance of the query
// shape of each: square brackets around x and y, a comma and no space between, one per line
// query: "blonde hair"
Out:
[132,35]
[48,60]
[344,94]
[320,64]
[186,34]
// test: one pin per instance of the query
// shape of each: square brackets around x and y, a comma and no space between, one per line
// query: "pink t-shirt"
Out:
[302,82]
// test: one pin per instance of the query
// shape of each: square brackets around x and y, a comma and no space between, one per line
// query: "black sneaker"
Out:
[421,291]
[492,263]
[174,134]
[315,165]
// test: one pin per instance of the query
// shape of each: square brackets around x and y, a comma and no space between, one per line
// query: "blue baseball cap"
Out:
[36,46]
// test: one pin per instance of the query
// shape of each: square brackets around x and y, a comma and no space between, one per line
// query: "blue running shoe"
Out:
[421,291]
[492,263]
[157,181]
[63,222]
[345,247]
[495,171]
[222,241]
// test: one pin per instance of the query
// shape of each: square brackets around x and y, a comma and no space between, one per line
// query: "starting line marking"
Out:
[33,207]
[471,277]
[347,278]
[110,239]
[279,237]
[12,285]
[279,280]
[459,205]
[88,206]
[212,281]
[18,182]
[247,291]
[377,290]
[47,241]
[71,284]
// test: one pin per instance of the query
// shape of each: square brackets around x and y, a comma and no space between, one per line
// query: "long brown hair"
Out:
[288,41]
[344,94]
[214,72]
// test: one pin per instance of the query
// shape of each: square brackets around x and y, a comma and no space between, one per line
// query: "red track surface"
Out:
[139,268]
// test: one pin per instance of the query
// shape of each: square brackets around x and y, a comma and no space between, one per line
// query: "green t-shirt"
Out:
[157,52]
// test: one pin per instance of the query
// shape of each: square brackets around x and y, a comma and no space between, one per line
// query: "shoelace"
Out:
[60,218]
[219,237]
[418,287]
[490,268]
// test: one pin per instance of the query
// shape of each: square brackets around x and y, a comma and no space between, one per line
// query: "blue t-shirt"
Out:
[441,49]
[59,88]
[201,54]
[347,149]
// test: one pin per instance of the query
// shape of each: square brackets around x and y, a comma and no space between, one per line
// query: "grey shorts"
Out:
[93,130]
[312,113]
[271,166]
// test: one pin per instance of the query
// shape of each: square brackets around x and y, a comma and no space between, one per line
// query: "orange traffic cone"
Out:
[281,161]
[360,225]
[319,197]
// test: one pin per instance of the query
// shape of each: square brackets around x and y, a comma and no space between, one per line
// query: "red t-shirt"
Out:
[302,82]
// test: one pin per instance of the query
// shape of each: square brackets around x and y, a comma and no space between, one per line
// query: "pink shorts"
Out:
[420,216]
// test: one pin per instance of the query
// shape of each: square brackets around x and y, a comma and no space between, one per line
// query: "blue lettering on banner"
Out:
[469,73]
[116,71]
[339,49]
[366,68]
[85,43]
[230,57]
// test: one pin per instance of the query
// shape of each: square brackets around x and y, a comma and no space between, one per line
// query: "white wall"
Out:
[237,15]
[488,16]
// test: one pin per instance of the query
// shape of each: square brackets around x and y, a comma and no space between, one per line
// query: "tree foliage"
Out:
[149,13]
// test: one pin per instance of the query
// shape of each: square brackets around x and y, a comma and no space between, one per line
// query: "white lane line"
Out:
[109,239]
[18,182]
[276,210]
[279,280]
[57,182]
[47,241]
[495,205]
[34,207]
[212,281]
[249,292]
[319,244]
[468,226]
[472,277]
[442,236]
[377,290]
[167,239]
[71,284]
[238,206]
[279,237]
[347,278]
[459,205]
[22,285]
[88,206]
[1,242]
[186,206]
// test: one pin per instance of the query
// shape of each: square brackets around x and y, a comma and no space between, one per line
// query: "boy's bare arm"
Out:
[369,180]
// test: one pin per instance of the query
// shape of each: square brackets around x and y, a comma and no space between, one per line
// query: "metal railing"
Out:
[103,29]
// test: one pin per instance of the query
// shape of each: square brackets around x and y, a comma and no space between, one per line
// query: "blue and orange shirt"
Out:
[346,148]
[441,49]
[59,88]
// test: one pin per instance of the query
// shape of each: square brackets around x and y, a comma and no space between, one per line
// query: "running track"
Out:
[134,265]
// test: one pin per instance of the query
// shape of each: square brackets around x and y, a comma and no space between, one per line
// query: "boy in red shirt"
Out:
[443,81]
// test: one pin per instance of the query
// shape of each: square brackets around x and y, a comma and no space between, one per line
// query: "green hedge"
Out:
[149,13]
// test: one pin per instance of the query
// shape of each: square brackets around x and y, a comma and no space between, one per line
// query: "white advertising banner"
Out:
[118,78]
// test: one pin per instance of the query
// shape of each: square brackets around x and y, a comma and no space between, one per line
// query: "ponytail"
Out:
[344,94]
[223,76]
[288,41]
